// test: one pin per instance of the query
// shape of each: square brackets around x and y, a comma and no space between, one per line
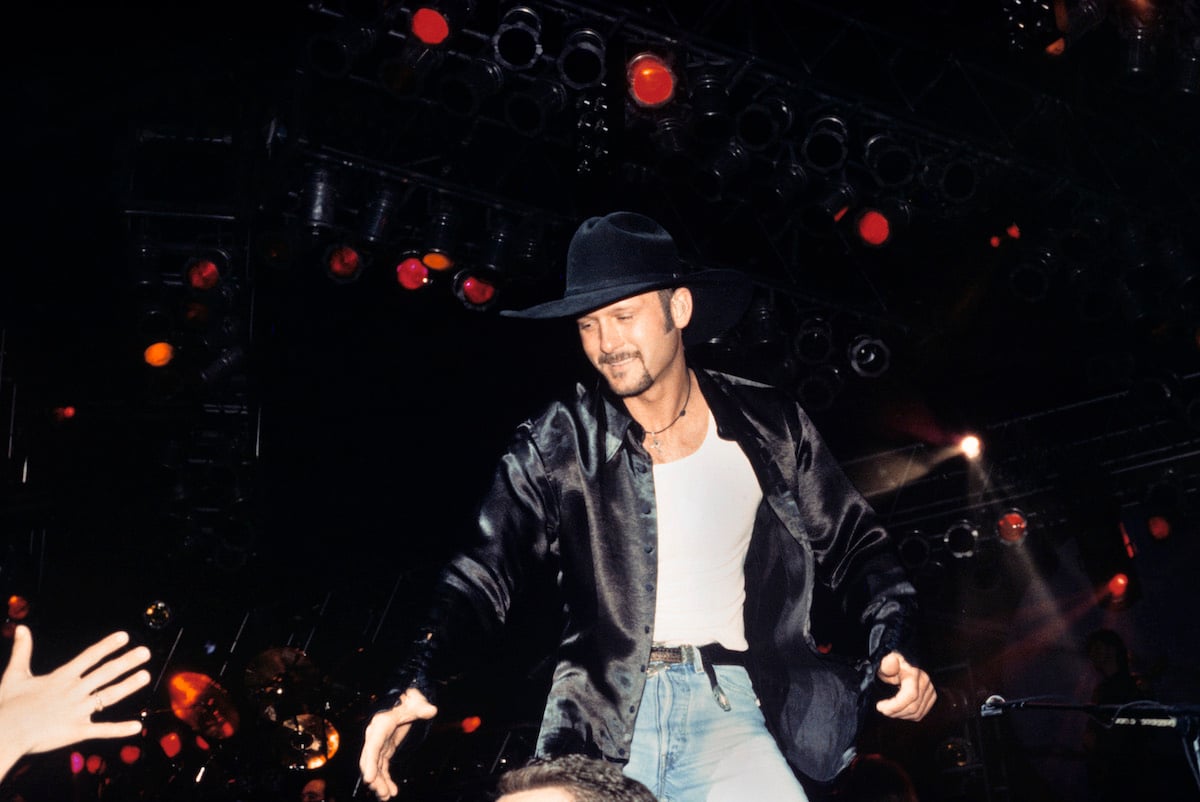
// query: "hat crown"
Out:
[618,249]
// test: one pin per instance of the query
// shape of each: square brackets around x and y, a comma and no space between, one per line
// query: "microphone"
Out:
[993,705]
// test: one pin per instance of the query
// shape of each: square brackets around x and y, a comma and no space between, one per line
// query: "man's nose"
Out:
[610,339]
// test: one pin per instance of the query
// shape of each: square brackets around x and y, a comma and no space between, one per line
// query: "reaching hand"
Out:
[41,713]
[384,734]
[916,694]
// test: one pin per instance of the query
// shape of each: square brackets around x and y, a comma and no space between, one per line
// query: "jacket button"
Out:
[649,549]
[647,629]
[621,752]
[646,509]
[642,669]
[633,708]
[649,586]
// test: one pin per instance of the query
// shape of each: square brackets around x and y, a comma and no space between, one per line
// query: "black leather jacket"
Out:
[575,488]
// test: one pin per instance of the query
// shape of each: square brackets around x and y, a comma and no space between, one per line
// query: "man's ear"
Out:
[681,307]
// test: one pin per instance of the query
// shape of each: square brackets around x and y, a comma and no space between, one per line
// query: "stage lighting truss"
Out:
[824,147]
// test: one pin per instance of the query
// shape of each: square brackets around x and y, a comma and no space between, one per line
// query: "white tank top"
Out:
[706,507]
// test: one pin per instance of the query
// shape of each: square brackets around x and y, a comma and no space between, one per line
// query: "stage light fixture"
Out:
[1118,587]
[869,356]
[203,271]
[412,274]
[787,182]
[821,216]
[954,178]
[343,262]
[1074,22]
[708,98]
[961,539]
[761,125]
[378,216]
[650,79]
[879,224]
[581,60]
[721,171]
[892,163]
[915,550]
[1011,527]
[970,446]
[441,239]
[1139,24]
[334,54]
[824,147]
[516,44]
[528,111]
[318,199]
[433,24]
[476,289]
[1031,275]
[463,91]
[819,387]
[813,342]
[159,354]
[670,135]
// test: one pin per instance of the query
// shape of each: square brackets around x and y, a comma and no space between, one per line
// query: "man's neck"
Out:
[660,405]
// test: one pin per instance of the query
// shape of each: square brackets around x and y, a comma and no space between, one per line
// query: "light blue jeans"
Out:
[686,748]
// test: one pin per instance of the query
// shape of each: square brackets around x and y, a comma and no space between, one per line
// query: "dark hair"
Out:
[584,778]
[664,297]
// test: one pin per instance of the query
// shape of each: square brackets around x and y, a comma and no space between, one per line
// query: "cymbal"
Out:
[200,702]
[280,670]
[306,741]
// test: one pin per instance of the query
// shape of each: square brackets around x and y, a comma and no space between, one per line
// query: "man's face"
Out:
[539,795]
[631,342]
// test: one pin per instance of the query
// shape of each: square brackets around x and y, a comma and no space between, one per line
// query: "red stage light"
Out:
[651,81]
[476,291]
[18,608]
[1118,585]
[412,274]
[202,274]
[343,263]
[130,754]
[95,764]
[64,413]
[873,227]
[994,241]
[430,26]
[1159,526]
[171,744]
[471,723]
[76,762]
[1013,231]
[159,355]
[1011,526]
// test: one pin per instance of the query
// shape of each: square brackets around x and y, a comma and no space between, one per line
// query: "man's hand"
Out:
[45,712]
[916,694]
[384,734]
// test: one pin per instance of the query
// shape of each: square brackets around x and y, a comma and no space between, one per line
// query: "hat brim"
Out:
[720,299]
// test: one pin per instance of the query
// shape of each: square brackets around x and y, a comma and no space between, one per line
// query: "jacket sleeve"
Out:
[475,590]
[856,558]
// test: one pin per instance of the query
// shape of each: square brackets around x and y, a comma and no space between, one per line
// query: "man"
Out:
[571,778]
[689,515]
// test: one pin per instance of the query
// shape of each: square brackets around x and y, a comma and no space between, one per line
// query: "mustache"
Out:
[608,359]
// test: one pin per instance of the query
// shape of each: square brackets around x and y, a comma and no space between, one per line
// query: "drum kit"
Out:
[292,699]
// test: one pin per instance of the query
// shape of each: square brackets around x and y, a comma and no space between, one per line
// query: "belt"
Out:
[711,654]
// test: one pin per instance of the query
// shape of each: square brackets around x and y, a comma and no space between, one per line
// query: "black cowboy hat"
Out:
[623,254]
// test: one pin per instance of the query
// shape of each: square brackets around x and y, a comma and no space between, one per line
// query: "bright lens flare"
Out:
[971,446]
